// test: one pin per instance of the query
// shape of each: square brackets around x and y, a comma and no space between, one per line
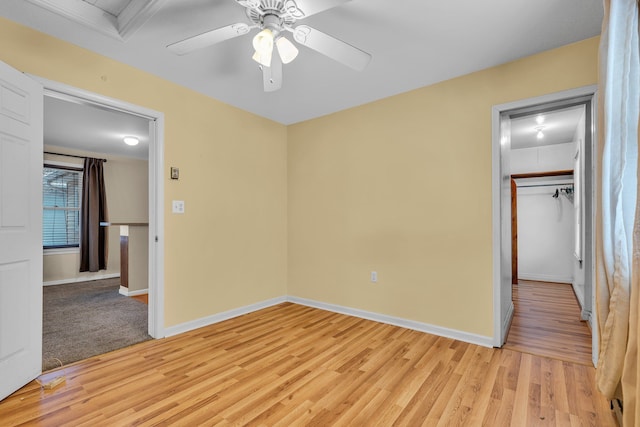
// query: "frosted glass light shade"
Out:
[263,58]
[263,44]
[286,49]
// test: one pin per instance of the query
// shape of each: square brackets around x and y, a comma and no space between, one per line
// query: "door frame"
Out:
[501,223]
[156,186]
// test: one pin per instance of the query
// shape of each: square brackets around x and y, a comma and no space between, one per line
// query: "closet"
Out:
[544,216]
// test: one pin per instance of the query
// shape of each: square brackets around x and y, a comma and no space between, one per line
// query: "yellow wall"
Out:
[229,248]
[402,186]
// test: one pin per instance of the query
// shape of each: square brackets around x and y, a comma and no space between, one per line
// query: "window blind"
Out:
[61,189]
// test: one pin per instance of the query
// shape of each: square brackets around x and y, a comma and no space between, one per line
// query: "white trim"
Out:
[54,163]
[120,28]
[506,323]
[496,226]
[61,251]
[226,315]
[545,278]
[156,186]
[497,110]
[73,94]
[127,293]
[80,279]
[156,228]
[83,13]
[135,15]
[398,321]
[579,293]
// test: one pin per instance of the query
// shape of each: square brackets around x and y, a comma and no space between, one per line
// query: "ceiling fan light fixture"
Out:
[263,58]
[263,44]
[287,50]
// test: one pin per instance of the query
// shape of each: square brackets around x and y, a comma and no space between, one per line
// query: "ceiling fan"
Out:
[274,18]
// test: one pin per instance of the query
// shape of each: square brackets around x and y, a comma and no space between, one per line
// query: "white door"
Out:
[21,106]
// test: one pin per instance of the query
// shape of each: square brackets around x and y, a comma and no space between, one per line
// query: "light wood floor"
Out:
[142,298]
[291,365]
[547,322]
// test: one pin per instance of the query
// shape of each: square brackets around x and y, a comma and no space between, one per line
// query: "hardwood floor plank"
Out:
[546,322]
[291,365]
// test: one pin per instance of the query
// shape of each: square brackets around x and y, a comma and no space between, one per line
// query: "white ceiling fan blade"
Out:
[250,4]
[302,8]
[333,48]
[209,38]
[272,76]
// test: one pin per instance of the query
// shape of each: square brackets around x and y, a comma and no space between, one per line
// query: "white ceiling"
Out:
[85,127]
[559,127]
[414,43]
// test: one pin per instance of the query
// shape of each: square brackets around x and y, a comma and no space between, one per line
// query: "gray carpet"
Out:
[85,319]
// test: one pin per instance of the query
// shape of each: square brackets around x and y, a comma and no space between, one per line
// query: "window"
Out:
[61,187]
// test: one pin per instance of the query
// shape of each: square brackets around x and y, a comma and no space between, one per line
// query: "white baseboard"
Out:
[391,320]
[506,324]
[398,321]
[545,278]
[80,279]
[127,293]
[226,315]
[579,291]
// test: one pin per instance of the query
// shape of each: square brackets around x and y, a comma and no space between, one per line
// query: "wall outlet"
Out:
[374,276]
[178,206]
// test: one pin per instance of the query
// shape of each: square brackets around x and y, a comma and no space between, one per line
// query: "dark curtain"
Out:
[94,242]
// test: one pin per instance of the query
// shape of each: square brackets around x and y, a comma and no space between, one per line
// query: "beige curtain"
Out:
[94,241]
[618,225]
[630,379]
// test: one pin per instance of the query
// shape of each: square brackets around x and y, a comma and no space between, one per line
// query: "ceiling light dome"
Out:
[131,140]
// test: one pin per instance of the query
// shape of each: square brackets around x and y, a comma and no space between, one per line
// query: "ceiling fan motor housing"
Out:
[274,14]
[273,23]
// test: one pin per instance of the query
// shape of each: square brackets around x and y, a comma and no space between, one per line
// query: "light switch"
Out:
[178,206]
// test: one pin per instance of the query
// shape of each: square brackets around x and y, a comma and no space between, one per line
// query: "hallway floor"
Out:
[547,323]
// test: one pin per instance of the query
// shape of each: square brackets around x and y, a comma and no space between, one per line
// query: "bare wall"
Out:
[402,186]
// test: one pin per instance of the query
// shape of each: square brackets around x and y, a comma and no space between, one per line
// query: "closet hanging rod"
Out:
[546,185]
[71,155]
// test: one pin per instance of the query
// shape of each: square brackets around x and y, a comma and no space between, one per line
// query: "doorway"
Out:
[540,171]
[100,305]
[155,240]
